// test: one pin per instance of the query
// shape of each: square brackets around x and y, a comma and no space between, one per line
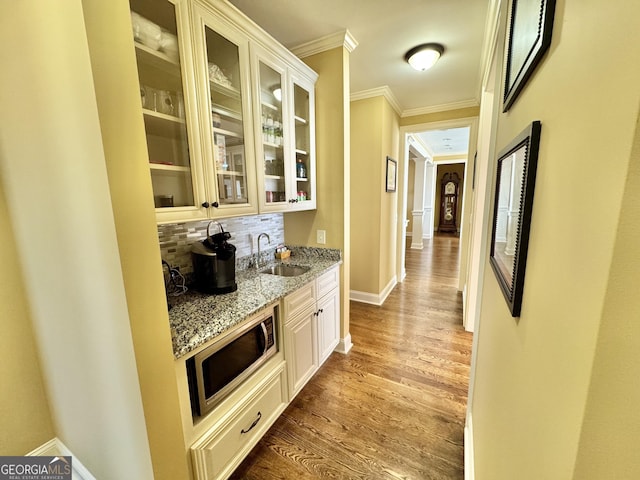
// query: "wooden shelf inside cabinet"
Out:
[169,168]
[301,152]
[274,177]
[224,89]
[300,120]
[272,145]
[225,112]
[163,125]
[231,173]
[270,106]
[302,179]
[153,58]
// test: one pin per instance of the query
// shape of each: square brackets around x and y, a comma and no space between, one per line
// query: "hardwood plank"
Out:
[394,407]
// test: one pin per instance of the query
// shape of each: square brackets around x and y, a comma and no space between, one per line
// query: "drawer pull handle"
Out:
[255,422]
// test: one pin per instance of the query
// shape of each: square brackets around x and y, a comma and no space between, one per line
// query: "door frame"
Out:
[403,169]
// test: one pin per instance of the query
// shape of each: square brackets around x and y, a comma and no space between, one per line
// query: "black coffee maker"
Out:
[214,263]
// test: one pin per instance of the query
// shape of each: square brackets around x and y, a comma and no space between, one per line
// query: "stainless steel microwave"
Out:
[217,370]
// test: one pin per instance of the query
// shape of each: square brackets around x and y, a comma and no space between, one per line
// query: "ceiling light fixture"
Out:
[423,57]
[277,93]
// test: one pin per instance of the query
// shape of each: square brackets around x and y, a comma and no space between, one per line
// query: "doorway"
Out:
[424,148]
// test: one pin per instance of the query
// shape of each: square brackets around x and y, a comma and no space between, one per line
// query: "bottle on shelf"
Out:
[301,169]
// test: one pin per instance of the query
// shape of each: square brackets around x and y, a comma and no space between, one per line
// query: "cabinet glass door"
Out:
[272,135]
[225,89]
[161,93]
[303,144]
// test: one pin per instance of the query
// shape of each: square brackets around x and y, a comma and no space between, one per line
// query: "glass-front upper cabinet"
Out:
[286,154]
[158,45]
[222,57]
[304,143]
[274,158]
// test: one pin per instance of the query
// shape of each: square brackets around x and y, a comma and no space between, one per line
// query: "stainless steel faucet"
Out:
[269,242]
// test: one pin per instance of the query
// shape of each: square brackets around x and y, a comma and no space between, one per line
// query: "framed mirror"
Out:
[515,182]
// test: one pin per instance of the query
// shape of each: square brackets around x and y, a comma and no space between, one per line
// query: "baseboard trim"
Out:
[55,447]
[344,345]
[372,298]
[469,467]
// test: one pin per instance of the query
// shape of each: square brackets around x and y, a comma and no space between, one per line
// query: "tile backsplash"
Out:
[176,238]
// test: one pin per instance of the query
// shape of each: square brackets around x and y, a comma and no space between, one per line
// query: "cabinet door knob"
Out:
[205,204]
[215,204]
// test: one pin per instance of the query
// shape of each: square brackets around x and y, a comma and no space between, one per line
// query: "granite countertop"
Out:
[197,318]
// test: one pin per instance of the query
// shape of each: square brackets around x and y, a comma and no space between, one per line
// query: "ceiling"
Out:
[385,30]
[452,141]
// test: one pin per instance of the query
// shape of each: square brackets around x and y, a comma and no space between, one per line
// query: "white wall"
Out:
[53,173]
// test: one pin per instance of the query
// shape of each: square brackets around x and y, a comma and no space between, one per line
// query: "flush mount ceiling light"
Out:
[423,57]
[277,93]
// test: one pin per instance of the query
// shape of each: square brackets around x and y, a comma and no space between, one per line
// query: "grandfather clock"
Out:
[449,203]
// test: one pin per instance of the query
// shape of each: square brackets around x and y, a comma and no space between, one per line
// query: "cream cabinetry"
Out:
[301,337]
[165,70]
[223,447]
[221,53]
[311,328]
[285,151]
[208,154]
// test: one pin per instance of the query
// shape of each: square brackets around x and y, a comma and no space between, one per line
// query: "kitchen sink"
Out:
[284,270]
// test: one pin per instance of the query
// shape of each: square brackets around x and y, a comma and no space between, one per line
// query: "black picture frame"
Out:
[391,179]
[528,39]
[513,205]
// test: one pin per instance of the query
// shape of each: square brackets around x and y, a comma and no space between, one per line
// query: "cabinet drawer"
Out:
[221,449]
[300,300]
[328,281]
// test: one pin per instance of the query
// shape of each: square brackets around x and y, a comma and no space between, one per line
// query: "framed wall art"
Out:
[528,39]
[515,183]
[391,180]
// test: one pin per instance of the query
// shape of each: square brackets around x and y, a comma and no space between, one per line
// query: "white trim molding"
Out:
[329,42]
[373,298]
[344,345]
[55,447]
[469,466]
[383,91]
[441,108]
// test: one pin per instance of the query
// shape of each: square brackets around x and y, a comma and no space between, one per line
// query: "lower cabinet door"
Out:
[219,451]
[328,324]
[301,351]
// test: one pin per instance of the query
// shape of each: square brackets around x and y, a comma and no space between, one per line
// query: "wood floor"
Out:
[394,407]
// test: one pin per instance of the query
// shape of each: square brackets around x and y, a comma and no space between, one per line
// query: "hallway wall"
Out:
[374,136]
[542,409]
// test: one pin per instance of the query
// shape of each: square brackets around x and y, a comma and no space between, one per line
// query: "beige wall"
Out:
[332,168]
[390,138]
[25,421]
[411,180]
[55,181]
[533,374]
[611,427]
[367,188]
[123,137]
[374,136]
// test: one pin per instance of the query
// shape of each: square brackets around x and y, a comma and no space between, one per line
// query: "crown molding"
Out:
[440,108]
[384,91]
[422,148]
[329,42]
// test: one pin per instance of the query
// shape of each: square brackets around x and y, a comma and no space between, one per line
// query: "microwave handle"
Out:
[266,339]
